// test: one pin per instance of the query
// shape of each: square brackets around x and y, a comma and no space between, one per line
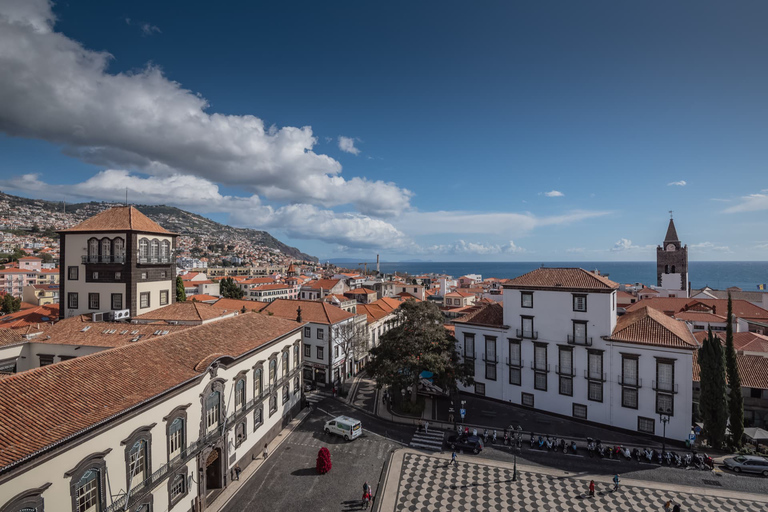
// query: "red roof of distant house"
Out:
[119,218]
[324,284]
[753,370]
[406,295]
[647,326]
[30,316]
[202,297]
[27,258]
[487,314]
[672,305]
[742,341]
[311,311]
[562,278]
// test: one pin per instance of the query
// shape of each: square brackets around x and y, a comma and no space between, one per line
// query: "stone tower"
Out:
[672,264]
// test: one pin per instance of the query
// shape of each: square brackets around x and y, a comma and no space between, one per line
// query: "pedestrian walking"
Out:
[366,487]
[474,431]
[266,452]
[616,482]
[237,471]
[454,459]
[426,427]
[333,390]
[676,508]
[591,487]
[668,506]
[366,499]
[450,418]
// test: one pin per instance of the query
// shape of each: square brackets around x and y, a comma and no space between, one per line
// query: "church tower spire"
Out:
[672,264]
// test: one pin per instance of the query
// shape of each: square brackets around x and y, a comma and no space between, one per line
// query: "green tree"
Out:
[10,304]
[418,343]
[735,400]
[229,289]
[181,295]
[713,401]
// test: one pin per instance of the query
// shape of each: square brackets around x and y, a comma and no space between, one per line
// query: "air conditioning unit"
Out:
[100,317]
[121,314]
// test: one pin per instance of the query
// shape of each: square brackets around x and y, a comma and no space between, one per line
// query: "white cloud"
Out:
[680,183]
[149,29]
[463,247]
[709,246]
[347,145]
[577,250]
[142,120]
[750,203]
[554,193]
[626,244]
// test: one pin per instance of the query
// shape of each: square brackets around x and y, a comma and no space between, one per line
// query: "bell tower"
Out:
[672,264]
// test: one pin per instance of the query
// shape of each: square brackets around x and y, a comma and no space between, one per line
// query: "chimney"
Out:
[378,270]
[298,314]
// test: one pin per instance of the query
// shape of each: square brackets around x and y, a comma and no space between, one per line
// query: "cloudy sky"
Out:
[451,130]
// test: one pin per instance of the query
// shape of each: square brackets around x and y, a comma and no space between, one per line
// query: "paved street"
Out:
[426,483]
[288,482]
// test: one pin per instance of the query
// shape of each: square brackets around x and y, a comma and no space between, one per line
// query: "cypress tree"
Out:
[181,295]
[735,400]
[712,401]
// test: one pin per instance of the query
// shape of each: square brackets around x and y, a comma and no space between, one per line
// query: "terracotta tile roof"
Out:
[239,304]
[489,314]
[459,293]
[753,370]
[274,287]
[391,303]
[645,289]
[259,280]
[189,276]
[568,278]
[80,330]
[700,316]
[202,297]
[325,284]
[742,341]
[373,311]
[311,311]
[184,312]
[359,291]
[87,392]
[30,316]
[10,337]
[27,258]
[647,326]
[671,305]
[119,218]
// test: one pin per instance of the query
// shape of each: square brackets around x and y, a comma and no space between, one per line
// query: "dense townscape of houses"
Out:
[107,380]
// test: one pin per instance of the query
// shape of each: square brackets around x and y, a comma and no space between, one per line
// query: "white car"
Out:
[344,426]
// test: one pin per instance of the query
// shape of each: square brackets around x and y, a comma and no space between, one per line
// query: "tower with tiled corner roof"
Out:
[115,265]
[672,265]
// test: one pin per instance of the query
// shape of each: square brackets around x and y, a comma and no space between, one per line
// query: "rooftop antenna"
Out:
[670,214]
[126,196]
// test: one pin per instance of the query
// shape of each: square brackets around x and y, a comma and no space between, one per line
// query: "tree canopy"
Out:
[229,289]
[712,401]
[735,400]
[181,294]
[9,304]
[418,343]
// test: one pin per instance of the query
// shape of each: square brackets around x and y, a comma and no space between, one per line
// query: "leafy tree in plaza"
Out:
[352,338]
[418,343]
[713,401]
[735,400]
[10,304]
[181,295]
[323,461]
[229,290]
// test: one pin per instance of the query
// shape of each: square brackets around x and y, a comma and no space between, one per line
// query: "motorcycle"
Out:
[667,457]
[676,459]
[648,454]
[541,443]
[550,443]
[572,448]
[485,437]
[687,460]
[709,462]
[624,452]
[659,457]
[599,449]
[533,439]
[506,438]
[637,454]
[591,447]
[493,439]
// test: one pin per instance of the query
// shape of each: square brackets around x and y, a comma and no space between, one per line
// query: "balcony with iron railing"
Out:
[540,368]
[516,363]
[579,340]
[595,376]
[664,388]
[629,383]
[568,372]
[156,260]
[493,358]
[90,259]
[531,335]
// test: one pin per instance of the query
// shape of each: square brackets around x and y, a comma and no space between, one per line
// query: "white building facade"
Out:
[554,352]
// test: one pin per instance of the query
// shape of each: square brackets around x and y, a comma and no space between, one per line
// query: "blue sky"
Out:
[447,131]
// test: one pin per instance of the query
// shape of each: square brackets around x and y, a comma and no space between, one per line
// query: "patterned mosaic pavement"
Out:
[429,484]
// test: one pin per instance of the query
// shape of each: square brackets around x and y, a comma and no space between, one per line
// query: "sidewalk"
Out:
[234,485]
[416,481]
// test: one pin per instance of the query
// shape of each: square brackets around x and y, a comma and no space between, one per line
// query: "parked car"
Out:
[348,428]
[748,464]
[465,442]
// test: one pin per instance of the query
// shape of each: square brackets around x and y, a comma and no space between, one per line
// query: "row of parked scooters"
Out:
[595,448]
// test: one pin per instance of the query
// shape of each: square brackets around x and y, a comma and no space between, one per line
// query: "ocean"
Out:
[715,274]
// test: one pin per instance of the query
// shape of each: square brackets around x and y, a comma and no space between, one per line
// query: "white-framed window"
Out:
[540,381]
[629,397]
[258,417]
[176,437]
[137,463]
[595,391]
[286,393]
[212,411]
[144,300]
[307,350]
[595,365]
[580,303]
[580,411]
[93,250]
[295,356]
[514,353]
[319,334]
[143,249]
[106,249]
[540,357]
[527,399]
[257,384]
[469,346]
[240,394]
[272,372]
[93,301]
[154,249]
[72,300]
[165,250]
[526,299]
[178,487]
[87,492]
[117,301]
[163,297]
[119,249]
[646,425]
[286,364]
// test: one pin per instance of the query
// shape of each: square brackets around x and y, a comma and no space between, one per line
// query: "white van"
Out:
[344,426]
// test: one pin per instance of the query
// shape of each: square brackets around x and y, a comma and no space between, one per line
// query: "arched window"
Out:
[177,488]
[88,492]
[165,251]
[285,364]
[240,394]
[212,411]
[666,269]
[272,372]
[295,356]
[106,250]
[175,438]
[137,463]
[93,250]
[154,251]
[257,384]
[119,250]
[673,269]
[143,249]
[240,433]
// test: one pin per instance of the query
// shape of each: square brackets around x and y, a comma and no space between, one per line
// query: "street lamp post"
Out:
[664,420]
